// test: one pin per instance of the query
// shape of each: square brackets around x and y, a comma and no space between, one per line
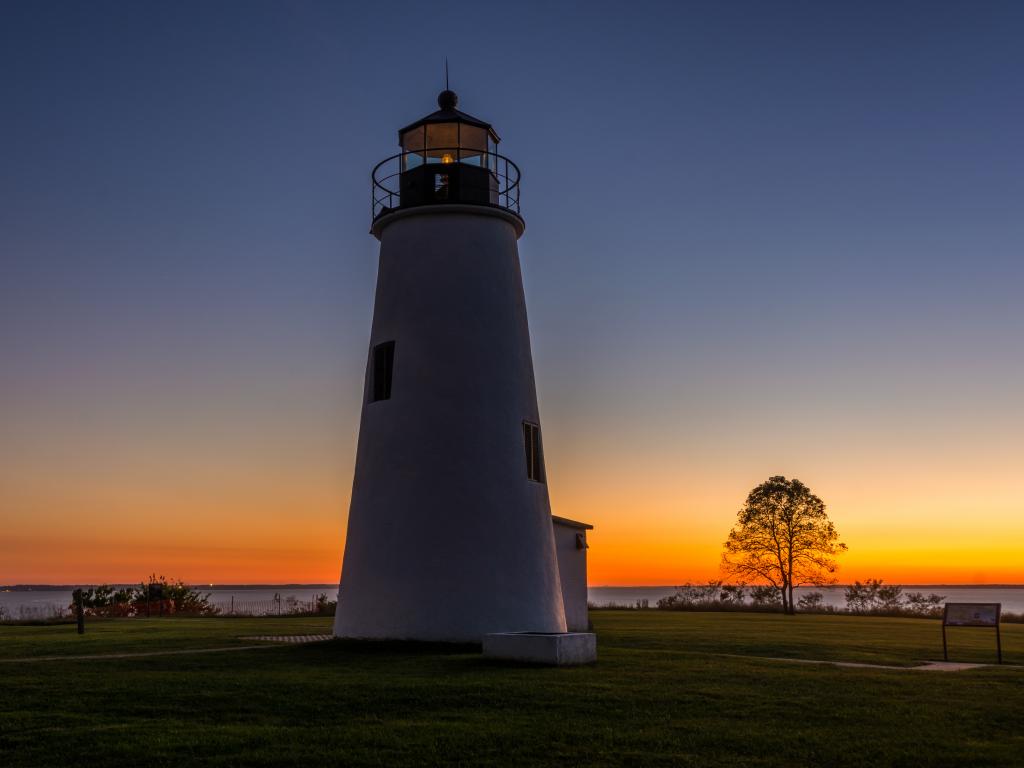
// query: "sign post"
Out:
[79,610]
[972,615]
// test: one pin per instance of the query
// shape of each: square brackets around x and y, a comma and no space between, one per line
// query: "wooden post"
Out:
[79,611]
[945,650]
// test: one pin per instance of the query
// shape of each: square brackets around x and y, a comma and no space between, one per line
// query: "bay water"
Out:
[43,599]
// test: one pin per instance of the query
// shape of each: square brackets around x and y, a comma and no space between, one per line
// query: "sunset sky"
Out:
[762,238]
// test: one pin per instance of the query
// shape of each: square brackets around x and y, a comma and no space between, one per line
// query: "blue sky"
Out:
[761,238]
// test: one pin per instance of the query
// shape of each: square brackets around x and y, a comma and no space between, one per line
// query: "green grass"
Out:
[669,689]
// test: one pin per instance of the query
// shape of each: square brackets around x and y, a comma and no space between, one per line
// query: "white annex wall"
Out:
[572,569]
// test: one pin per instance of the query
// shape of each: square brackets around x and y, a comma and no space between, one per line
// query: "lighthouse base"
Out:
[554,649]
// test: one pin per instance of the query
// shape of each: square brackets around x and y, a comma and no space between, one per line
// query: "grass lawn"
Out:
[669,689]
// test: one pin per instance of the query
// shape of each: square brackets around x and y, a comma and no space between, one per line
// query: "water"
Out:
[45,602]
[48,600]
[1012,597]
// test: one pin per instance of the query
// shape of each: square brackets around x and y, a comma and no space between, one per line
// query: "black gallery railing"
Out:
[503,176]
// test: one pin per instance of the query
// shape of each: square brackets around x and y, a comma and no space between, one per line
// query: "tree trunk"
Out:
[789,580]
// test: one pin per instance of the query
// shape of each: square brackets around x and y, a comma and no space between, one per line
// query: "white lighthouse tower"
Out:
[450,531]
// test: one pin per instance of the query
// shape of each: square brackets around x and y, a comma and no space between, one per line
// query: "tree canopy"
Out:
[783,537]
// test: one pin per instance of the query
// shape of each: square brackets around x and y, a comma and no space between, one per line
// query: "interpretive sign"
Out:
[972,615]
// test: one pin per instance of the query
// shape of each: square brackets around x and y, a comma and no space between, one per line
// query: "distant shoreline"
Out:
[334,585]
[199,585]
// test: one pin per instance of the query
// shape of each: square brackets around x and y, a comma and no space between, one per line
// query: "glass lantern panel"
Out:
[442,135]
[412,141]
[472,137]
[473,145]
[443,155]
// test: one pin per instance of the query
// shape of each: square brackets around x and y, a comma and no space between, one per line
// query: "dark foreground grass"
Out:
[669,689]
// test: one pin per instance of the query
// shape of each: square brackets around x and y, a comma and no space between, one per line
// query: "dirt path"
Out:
[928,666]
[267,641]
[273,641]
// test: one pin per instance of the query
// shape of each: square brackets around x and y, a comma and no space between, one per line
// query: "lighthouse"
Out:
[450,529]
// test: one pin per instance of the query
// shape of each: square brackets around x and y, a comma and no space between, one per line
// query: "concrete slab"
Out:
[557,649]
[291,638]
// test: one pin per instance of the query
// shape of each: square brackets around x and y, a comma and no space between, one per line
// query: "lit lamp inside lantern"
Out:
[451,138]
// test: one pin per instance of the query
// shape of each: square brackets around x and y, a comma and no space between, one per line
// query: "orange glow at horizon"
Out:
[670,533]
[216,498]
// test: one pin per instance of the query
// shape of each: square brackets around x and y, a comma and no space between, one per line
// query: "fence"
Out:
[277,606]
[43,612]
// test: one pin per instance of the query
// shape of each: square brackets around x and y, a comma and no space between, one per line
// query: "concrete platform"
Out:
[556,649]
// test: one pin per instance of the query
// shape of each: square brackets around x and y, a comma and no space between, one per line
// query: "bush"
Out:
[159,596]
[322,605]
[766,596]
[716,596]
[812,601]
[873,596]
[639,605]
[920,605]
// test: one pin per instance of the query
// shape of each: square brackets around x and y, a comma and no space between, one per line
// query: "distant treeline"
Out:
[162,597]
[872,597]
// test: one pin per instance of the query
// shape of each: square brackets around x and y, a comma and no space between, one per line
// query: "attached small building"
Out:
[571,551]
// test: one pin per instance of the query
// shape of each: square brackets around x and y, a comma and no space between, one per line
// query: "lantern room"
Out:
[447,157]
[447,136]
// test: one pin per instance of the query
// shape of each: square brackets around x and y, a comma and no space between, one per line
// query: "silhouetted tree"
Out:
[783,536]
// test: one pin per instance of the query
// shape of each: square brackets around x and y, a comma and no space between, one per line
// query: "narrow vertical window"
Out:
[534,454]
[383,365]
[441,186]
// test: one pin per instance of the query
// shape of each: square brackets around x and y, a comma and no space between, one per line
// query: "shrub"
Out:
[920,605]
[733,593]
[889,598]
[766,596]
[875,597]
[812,601]
[862,597]
[322,605]
[157,596]
[717,596]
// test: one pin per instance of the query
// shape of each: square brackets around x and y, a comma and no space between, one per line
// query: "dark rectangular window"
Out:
[380,375]
[534,453]
[440,186]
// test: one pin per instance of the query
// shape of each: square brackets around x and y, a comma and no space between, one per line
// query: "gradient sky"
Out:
[762,238]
